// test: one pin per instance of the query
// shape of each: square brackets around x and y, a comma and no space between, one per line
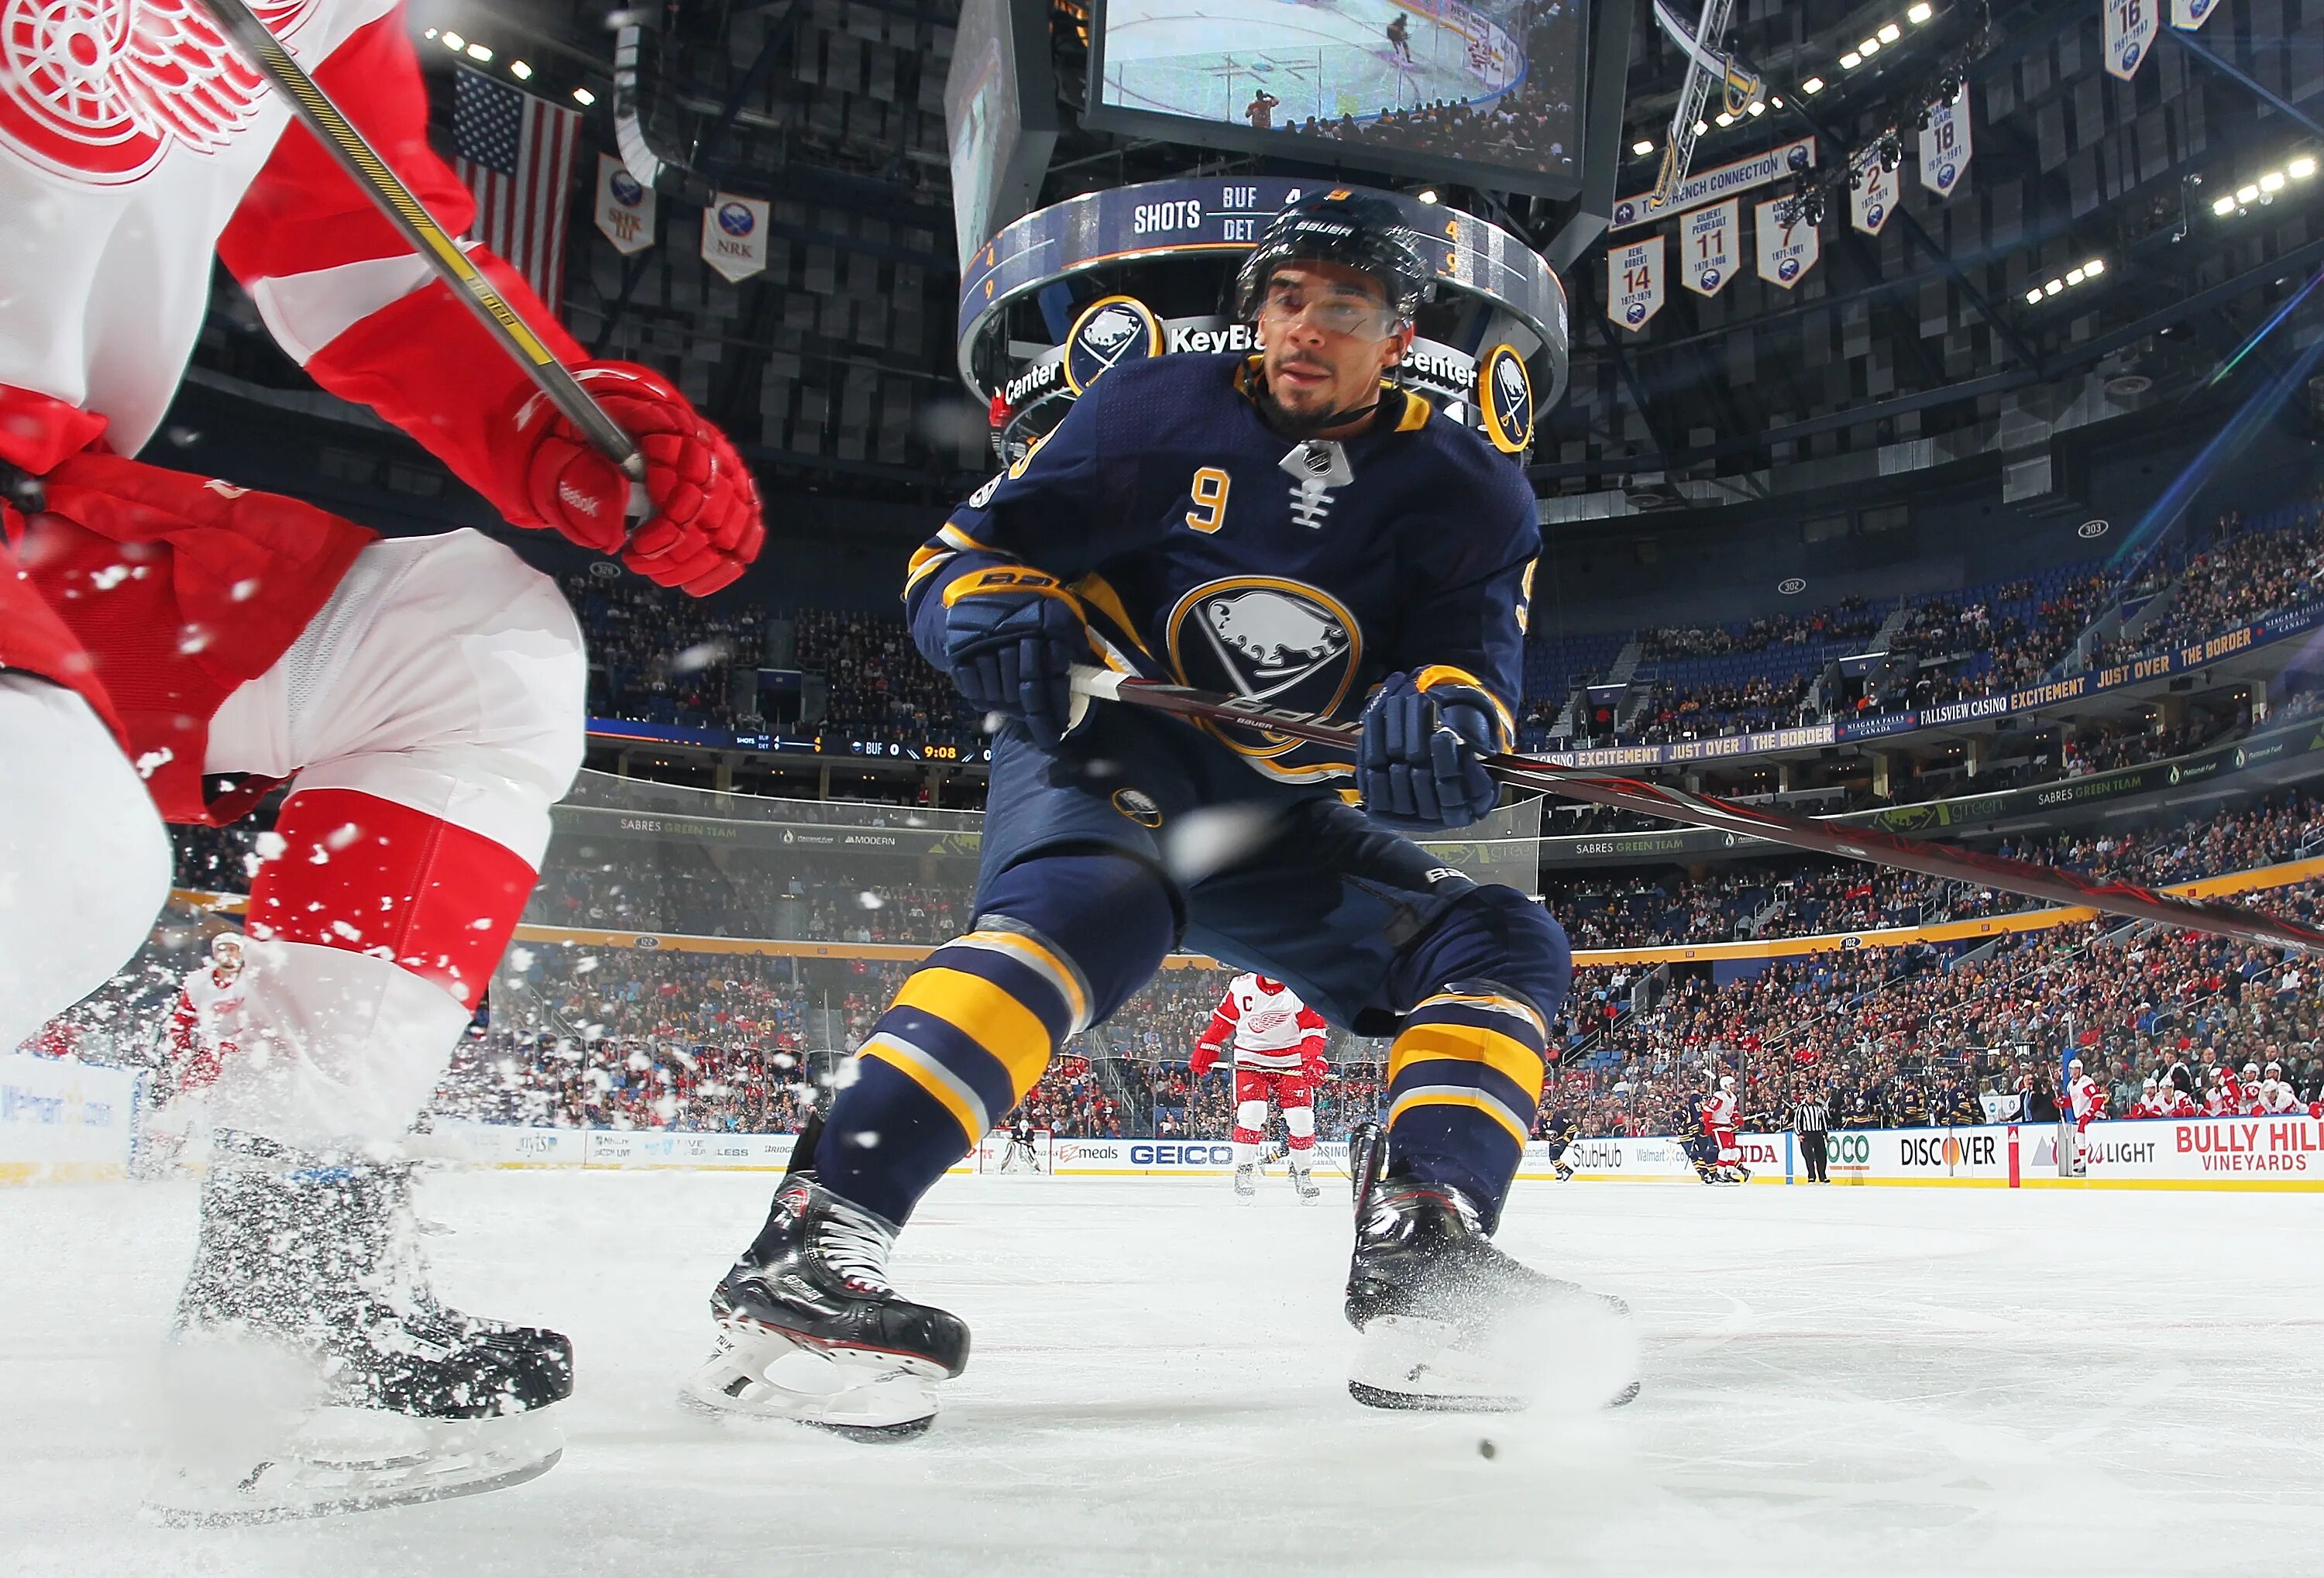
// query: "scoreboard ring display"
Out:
[1128,251]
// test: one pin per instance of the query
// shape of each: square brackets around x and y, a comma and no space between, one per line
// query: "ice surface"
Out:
[1873,1382]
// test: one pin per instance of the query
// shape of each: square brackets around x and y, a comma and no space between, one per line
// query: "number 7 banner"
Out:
[1709,243]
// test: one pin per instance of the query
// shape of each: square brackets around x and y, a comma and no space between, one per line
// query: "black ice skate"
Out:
[1443,1312]
[810,1329]
[312,1367]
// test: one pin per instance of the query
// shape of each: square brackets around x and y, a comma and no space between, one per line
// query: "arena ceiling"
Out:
[1917,345]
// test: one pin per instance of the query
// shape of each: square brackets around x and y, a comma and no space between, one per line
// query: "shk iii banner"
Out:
[1945,145]
[1634,282]
[1711,243]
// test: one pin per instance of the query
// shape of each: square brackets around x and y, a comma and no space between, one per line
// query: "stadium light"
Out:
[2272,181]
[1755,108]
[519,70]
[2094,267]
[1426,195]
[1701,127]
[1643,146]
[2225,205]
[1869,48]
[2301,168]
[2247,194]
[1776,99]
[429,35]
[454,43]
[1724,119]
[2053,287]
[478,52]
[1852,59]
[1811,86]
[1890,32]
[2033,296]
[582,96]
[2073,276]
[1920,12]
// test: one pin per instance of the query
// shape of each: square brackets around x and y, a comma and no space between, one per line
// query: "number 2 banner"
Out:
[1709,243]
[1634,282]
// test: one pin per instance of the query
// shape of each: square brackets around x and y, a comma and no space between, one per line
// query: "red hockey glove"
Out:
[705,526]
[1207,1057]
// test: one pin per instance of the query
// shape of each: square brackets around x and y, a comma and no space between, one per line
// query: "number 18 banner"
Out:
[1709,243]
[1634,282]
[1944,145]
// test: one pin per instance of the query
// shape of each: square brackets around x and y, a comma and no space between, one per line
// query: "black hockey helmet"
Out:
[1338,226]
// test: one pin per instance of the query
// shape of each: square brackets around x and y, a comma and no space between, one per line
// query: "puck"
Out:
[1486,1449]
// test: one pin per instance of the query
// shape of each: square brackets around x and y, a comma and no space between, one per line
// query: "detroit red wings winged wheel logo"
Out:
[98,90]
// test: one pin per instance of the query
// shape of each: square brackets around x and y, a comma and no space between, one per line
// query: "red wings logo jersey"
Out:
[129,132]
[1719,1113]
[1272,1027]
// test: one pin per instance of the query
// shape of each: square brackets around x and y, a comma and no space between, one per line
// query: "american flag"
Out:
[516,153]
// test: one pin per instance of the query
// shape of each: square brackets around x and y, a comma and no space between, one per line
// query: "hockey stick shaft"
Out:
[437,248]
[2048,883]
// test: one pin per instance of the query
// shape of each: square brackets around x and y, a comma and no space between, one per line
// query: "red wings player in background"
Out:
[206,1023]
[1278,1050]
[426,694]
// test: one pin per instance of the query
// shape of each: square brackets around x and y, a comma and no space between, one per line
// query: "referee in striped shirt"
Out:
[1810,1118]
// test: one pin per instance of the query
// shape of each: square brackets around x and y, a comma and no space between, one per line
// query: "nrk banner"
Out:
[1634,282]
[2130,29]
[734,235]
[1786,252]
[1872,197]
[1944,144]
[2187,15]
[625,207]
[1711,247]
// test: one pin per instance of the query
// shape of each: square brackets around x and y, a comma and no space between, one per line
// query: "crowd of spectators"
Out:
[1851,619]
[882,690]
[1526,128]
[657,656]
[2243,575]
[1675,711]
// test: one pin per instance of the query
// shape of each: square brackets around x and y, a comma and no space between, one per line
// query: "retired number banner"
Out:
[1711,247]
[1944,145]
[625,207]
[1873,198]
[1787,252]
[1634,282]
[2130,29]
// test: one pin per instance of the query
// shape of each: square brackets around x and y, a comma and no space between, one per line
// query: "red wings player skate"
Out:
[1279,1051]
[423,695]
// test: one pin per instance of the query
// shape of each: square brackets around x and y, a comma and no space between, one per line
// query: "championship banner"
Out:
[1787,252]
[1634,282]
[734,235]
[624,207]
[1711,243]
[1945,145]
[1872,197]
[2187,15]
[1707,186]
[2130,29]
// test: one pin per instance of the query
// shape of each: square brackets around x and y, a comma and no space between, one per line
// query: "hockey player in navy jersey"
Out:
[1291,526]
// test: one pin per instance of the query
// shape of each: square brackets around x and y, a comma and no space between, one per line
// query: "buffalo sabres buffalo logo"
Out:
[1139,805]
[1268,639]
[1109,331]
[1505,399]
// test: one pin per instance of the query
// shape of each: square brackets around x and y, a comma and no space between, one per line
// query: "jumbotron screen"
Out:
[1433,87]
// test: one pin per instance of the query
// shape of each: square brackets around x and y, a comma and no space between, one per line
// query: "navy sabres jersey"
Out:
[1209,550]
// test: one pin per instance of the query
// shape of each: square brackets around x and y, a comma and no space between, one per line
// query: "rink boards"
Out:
[2207,1153]
[64,1122]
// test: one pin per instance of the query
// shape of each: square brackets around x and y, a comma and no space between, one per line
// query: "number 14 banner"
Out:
[1711,241]
[1634,282]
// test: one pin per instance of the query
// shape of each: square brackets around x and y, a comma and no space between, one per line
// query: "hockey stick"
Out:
[368,170]
[2050,885]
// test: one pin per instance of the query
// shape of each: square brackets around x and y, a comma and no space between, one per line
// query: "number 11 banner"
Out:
[1709,243]
[1634,282]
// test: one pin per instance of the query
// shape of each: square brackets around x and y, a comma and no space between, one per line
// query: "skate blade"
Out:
[758,1372]
[358,1461]
[1576,1351]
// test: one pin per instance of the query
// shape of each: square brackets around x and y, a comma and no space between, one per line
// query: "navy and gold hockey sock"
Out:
[968,1034]
[1464,1081]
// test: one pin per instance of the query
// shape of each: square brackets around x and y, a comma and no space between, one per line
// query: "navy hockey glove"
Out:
[1417,767]
[1011,636]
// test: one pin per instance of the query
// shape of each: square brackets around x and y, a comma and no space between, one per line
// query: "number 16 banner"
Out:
[1634,282]
[1709,243]
[2130,29]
